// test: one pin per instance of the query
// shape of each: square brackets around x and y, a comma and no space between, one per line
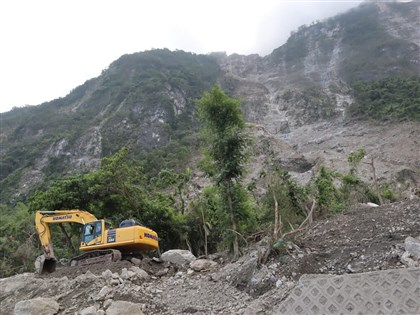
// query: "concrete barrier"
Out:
[395,291]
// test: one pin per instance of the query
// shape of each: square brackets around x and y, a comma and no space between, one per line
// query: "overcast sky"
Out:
[49,47]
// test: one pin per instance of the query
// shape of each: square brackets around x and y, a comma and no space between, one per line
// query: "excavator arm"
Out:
[43,219]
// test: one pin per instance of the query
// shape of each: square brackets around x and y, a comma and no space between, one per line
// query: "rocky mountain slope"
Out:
[360,240]
[299,94]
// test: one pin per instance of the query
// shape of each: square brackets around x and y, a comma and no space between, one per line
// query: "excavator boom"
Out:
[47,262]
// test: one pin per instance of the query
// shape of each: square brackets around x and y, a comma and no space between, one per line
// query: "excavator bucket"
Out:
[45,265]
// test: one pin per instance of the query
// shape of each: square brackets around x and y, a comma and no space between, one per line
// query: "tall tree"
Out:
[224,143]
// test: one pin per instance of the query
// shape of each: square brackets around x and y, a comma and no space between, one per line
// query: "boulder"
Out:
[38,306]
[412,246]
[124,308]
[203,264]
[127,274]
[107,274]
[103,294]
[140,273]
[136,261]
[408,261]
[178,257]
[91,310]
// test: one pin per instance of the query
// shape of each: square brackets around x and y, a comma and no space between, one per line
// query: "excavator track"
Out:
[96,256]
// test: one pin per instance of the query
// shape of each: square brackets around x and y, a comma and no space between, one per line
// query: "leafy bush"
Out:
[17,240]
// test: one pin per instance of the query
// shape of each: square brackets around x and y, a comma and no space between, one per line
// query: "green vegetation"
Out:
[225,143]
[17,240]
[283,206]
[121,189]
[387,99]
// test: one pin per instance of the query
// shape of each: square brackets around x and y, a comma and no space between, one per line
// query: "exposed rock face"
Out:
[299,94]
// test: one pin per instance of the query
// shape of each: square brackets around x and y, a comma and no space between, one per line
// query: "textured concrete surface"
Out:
[395,291]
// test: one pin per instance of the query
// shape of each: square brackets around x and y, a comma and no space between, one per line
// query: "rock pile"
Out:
[363,239]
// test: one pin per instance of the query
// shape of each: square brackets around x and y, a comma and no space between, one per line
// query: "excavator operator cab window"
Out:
[92,231]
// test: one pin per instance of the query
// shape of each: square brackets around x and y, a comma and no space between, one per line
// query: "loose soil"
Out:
[359,240]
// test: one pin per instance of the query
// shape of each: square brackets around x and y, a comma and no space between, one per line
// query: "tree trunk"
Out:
[205,232]
[233,221]
[276,217]
[375,182]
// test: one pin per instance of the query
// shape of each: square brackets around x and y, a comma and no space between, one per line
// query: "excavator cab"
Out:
[92,231]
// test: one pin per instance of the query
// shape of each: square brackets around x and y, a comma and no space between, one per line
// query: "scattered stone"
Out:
[179,257]
[127,274]
[140,273]
[37,306]
[115,282]
[107,303]
[162,272]
[124,308]
[102,295]
[412,246]
[136,261]
[202,264]
[91,310]
[179,274]
[107,274]
[408,261]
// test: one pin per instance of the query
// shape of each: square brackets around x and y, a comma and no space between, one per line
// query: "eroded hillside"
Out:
[299,94]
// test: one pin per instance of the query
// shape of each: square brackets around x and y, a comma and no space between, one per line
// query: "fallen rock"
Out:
[262,281]
[239,274]
[102,295]
[127,274]
[203,264]
[107,274]
[140,273]
[124,308]
[91,310]
[136,261]
[162,272]
[178,257]
[38,306]
[408,261]
[412,246]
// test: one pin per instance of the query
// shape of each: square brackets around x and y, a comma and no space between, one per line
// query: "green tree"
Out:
[224,145]
[284,201]
[328,197]
[117,190]
[17,240]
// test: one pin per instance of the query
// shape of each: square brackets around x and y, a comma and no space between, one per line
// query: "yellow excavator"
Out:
[100,241]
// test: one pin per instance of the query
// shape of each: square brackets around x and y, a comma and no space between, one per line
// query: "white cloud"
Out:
[49,47]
